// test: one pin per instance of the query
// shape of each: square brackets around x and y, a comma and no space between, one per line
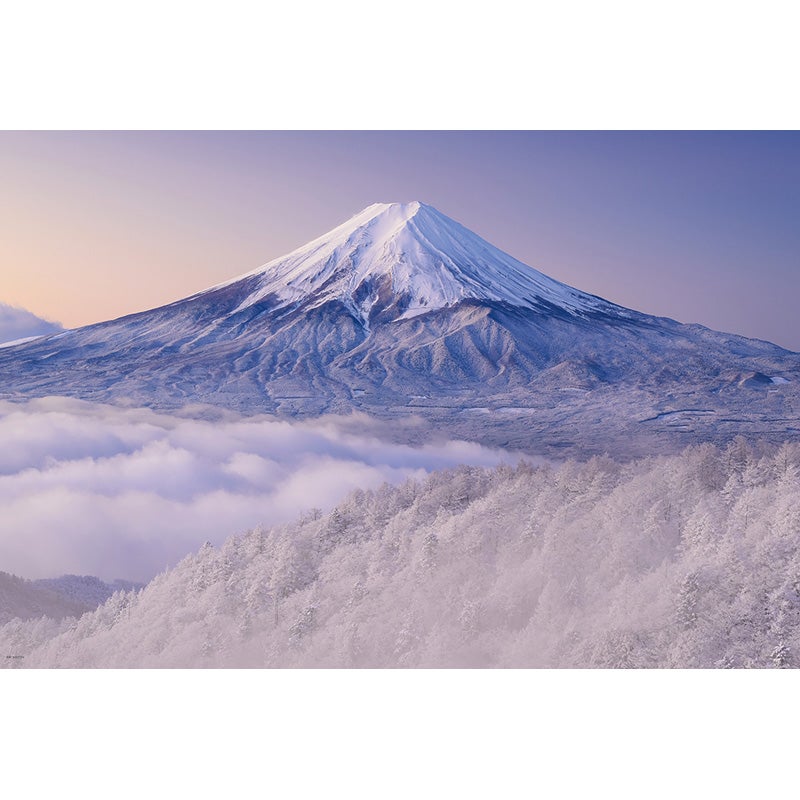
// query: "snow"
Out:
[431,260]
[19,341]
[686,561]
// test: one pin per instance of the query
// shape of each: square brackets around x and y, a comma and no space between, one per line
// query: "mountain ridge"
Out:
[495,352]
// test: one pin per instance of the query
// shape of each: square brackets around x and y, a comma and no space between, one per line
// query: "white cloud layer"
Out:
[17,323]
[114,492]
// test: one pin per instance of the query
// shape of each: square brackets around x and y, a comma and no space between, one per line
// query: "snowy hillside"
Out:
[23,599]
[55,598]
[85,590]
[679,561]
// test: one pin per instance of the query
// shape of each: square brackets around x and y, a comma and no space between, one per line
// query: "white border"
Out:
[419,64]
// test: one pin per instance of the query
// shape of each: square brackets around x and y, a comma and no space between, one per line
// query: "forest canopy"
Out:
[671,561]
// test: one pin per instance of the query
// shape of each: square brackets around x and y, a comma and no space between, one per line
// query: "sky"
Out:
[698,226]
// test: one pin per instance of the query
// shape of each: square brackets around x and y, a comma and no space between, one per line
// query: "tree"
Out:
[687,601]
[781,655]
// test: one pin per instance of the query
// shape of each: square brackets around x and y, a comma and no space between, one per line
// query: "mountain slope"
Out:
[24,599]
[401,311]
[414,256]
[678,561]
[56,598]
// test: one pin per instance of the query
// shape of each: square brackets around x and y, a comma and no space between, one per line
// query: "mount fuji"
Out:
[404,314]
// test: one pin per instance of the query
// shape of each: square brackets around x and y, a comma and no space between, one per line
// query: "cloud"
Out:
[17,323]
[118,492]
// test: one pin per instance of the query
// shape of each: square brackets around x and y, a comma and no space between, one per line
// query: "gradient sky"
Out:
[701,227]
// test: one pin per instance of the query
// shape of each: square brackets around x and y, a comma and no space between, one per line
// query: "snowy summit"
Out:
[413,254]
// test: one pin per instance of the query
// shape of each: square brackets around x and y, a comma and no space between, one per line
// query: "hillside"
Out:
[678,561]
[23,599]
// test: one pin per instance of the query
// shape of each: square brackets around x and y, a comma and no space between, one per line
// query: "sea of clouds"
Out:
[123,493]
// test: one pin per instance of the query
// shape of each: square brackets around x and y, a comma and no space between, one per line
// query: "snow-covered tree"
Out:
[690,560]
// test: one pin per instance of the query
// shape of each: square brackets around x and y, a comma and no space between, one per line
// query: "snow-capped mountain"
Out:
[410,259]
[405,314]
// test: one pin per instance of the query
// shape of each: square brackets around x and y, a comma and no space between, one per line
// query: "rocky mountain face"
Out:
[404,314]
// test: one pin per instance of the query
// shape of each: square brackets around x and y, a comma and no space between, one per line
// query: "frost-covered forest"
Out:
[673,561]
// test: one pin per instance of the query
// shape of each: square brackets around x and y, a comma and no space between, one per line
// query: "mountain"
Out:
[397,261]
[405,314]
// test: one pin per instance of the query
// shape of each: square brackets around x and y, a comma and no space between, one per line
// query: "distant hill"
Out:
[24,599]
[67,596]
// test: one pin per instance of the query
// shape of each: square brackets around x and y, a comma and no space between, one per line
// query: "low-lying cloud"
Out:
[17,323]
[115,492]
